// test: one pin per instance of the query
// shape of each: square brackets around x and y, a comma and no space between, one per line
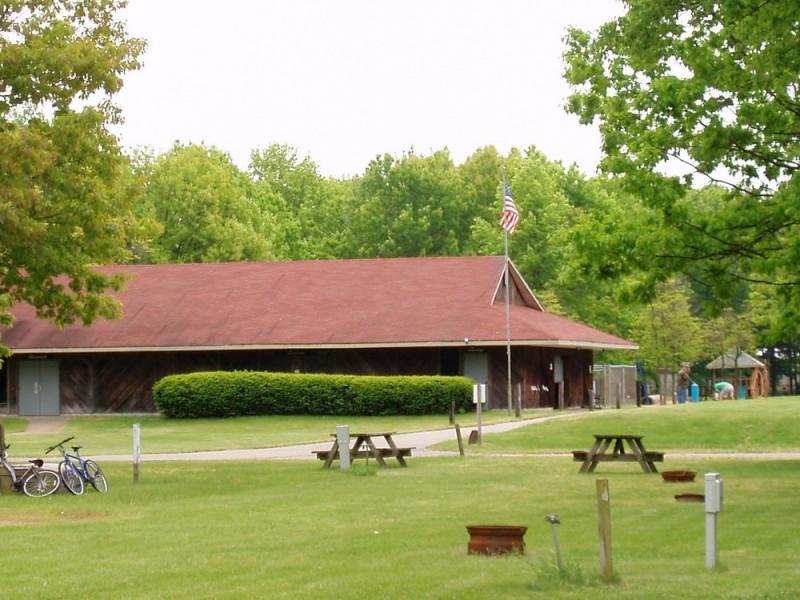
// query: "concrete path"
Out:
[420,441]
[45,424]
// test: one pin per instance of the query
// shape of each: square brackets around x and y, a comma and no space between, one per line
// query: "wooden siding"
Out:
[374,362]
[123,382]
[532,377]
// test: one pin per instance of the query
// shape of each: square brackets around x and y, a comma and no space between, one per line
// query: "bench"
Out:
[384,452]
[580,456]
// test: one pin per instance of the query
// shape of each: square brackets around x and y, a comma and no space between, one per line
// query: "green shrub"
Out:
[229,393]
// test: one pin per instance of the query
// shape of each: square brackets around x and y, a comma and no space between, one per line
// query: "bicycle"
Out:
[36,482]
[74,475]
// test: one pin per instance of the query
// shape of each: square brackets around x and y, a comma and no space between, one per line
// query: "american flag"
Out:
[510,218]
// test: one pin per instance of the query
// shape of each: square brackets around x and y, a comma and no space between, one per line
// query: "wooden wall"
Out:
[532,377]
[123,382]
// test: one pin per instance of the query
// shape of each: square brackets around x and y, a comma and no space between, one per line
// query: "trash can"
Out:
[695,390]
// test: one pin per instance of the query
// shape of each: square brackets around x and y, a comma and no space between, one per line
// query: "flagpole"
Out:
[508,326]
[508,309]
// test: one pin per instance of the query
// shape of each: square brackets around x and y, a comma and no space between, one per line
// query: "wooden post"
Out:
[5,478]
[460,442]
[604,528]
[136,451]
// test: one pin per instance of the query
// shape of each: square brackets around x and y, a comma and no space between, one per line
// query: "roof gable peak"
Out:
[520,293]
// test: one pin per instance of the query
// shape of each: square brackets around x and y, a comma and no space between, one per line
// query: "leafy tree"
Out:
[545,213]
[410,207]
[333,220]
[201,202]
[710,88]
[480,175]
[776,334]
[731,332]
[310,215]
[65,194]
[667,331]
[279,168]
[607,229]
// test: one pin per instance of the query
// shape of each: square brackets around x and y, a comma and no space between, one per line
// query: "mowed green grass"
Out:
[766,425]
[290,529]
[113,434]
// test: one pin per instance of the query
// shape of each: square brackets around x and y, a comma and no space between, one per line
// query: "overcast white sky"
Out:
[346,80]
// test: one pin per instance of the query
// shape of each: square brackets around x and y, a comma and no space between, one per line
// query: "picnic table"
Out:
[364,446]
[611,447]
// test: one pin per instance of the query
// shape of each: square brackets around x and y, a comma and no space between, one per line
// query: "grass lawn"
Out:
[113,434]
[767,425]
[290,529]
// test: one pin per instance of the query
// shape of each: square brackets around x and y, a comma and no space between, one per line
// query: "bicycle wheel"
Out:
[41,483]
[70,478]
[96,477]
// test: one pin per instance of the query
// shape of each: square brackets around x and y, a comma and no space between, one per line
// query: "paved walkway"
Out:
[45,424]
[420,441]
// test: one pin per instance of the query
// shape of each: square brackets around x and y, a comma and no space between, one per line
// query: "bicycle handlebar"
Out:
[61,443]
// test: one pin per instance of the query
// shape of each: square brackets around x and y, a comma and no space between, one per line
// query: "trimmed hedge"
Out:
[230,393]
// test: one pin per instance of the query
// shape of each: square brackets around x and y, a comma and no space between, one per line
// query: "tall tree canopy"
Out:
[65,191]
[410,207]
[666,329]
[687,88]
[310,213]
[537,185]
[201,203]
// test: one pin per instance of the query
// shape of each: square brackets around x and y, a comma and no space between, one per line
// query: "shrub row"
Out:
[229,393]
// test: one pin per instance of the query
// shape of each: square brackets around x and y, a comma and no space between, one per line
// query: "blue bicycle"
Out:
[75,470]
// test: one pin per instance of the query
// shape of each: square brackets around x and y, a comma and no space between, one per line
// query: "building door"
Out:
[39,391]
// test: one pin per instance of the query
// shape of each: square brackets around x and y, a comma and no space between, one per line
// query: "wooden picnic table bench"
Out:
[385,453]
[364,446]
[611,448]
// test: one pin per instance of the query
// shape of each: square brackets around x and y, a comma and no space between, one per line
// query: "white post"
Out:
[136,451]
[711,540]
[713,501]
[343,440]
[479,397]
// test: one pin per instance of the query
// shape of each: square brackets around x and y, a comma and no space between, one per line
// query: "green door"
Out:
[39,391]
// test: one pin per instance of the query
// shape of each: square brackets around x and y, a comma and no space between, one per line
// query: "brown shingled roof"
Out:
[313,304]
